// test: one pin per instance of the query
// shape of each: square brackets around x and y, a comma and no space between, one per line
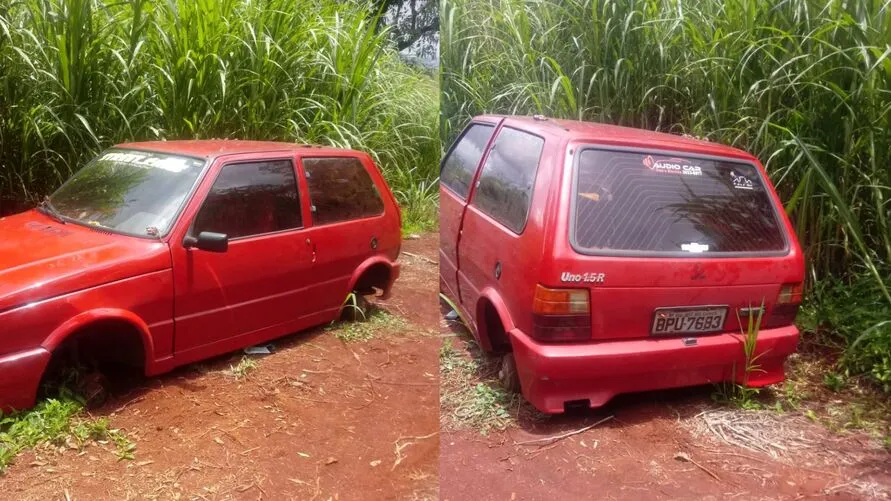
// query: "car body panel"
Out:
[553,374]
[20,374]
[451,214]
[60,258]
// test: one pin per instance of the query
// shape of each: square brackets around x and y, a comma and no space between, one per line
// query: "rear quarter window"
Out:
[657,203]
[340,189]
[508,177]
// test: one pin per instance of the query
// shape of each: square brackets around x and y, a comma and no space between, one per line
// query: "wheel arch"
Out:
[96,318]
[379,270]
[490,307]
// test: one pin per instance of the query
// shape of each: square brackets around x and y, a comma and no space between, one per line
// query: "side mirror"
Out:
[208,241]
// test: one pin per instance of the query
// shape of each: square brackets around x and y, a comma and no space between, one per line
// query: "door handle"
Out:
[313,247]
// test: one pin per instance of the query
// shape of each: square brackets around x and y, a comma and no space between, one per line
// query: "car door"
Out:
[346,221]
[457,173]
[491,250]
[260,281]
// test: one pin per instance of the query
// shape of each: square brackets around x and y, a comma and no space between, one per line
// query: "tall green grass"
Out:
[803,84]
[79,75]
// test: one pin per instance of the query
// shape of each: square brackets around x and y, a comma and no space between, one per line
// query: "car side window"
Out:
[461,163]
[508,177]
[340,189]
[251,199]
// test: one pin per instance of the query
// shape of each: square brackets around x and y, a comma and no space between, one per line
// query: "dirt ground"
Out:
[651,446]
[317,419]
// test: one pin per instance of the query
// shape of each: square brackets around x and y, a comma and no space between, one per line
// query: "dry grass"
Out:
[757,431]
[471,396]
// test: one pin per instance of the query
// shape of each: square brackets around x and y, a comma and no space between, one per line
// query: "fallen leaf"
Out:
[330,461]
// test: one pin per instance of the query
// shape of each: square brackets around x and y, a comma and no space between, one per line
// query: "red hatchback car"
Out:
[163,253]
[601,260]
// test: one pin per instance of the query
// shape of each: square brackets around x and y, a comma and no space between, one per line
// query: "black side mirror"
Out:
[208,241]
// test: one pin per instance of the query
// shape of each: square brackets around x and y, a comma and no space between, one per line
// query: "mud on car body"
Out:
[599,260]
[159,254]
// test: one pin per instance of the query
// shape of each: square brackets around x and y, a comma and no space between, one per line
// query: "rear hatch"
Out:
[670,244]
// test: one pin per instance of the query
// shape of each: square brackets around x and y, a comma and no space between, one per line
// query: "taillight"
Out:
[790,294]
[561,314]
[786,307]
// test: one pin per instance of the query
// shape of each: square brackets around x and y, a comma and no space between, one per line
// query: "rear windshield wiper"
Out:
[51,211]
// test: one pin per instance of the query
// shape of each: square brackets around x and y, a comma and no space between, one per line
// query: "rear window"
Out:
[666,203]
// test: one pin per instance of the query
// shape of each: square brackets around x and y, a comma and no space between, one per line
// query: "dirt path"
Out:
[318,419]
[641,452]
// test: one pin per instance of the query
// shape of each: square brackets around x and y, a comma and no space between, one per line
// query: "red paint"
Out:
[619,355]
[187,304]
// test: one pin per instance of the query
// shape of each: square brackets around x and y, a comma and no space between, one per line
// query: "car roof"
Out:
[617,135]
[210,148]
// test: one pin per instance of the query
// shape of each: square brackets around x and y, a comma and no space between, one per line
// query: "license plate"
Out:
[686,320]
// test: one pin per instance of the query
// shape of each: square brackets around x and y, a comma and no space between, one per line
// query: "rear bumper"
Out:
[20,375]
[552,374]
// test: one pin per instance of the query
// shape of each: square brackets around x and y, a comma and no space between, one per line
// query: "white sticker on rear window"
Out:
[672,166]
[694,247]
[740,182]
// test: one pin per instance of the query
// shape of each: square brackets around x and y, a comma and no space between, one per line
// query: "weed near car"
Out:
[376,321]
[58,422]
[470,394]
[816,386]
[243,368]
[858,407]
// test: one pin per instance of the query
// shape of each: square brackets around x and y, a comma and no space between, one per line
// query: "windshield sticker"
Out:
[172,164]
[672,166]
[586,278]
[741,182]
[694,247]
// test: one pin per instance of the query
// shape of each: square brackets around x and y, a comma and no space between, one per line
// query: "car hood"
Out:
[41,258]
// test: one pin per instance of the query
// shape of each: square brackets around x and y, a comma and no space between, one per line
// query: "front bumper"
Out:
[552,374]
[20,375]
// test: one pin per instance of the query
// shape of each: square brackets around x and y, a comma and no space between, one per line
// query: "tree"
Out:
[414,24]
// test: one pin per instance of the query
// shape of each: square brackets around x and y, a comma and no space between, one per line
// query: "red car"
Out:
[600,260]
[159,254]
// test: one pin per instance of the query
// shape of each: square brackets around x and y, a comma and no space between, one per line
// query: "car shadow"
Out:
[129,386]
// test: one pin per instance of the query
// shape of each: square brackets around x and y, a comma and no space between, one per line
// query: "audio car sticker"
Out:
[672,166]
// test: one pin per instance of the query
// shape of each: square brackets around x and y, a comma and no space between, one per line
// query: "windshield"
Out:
[671,204]
[133,192]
